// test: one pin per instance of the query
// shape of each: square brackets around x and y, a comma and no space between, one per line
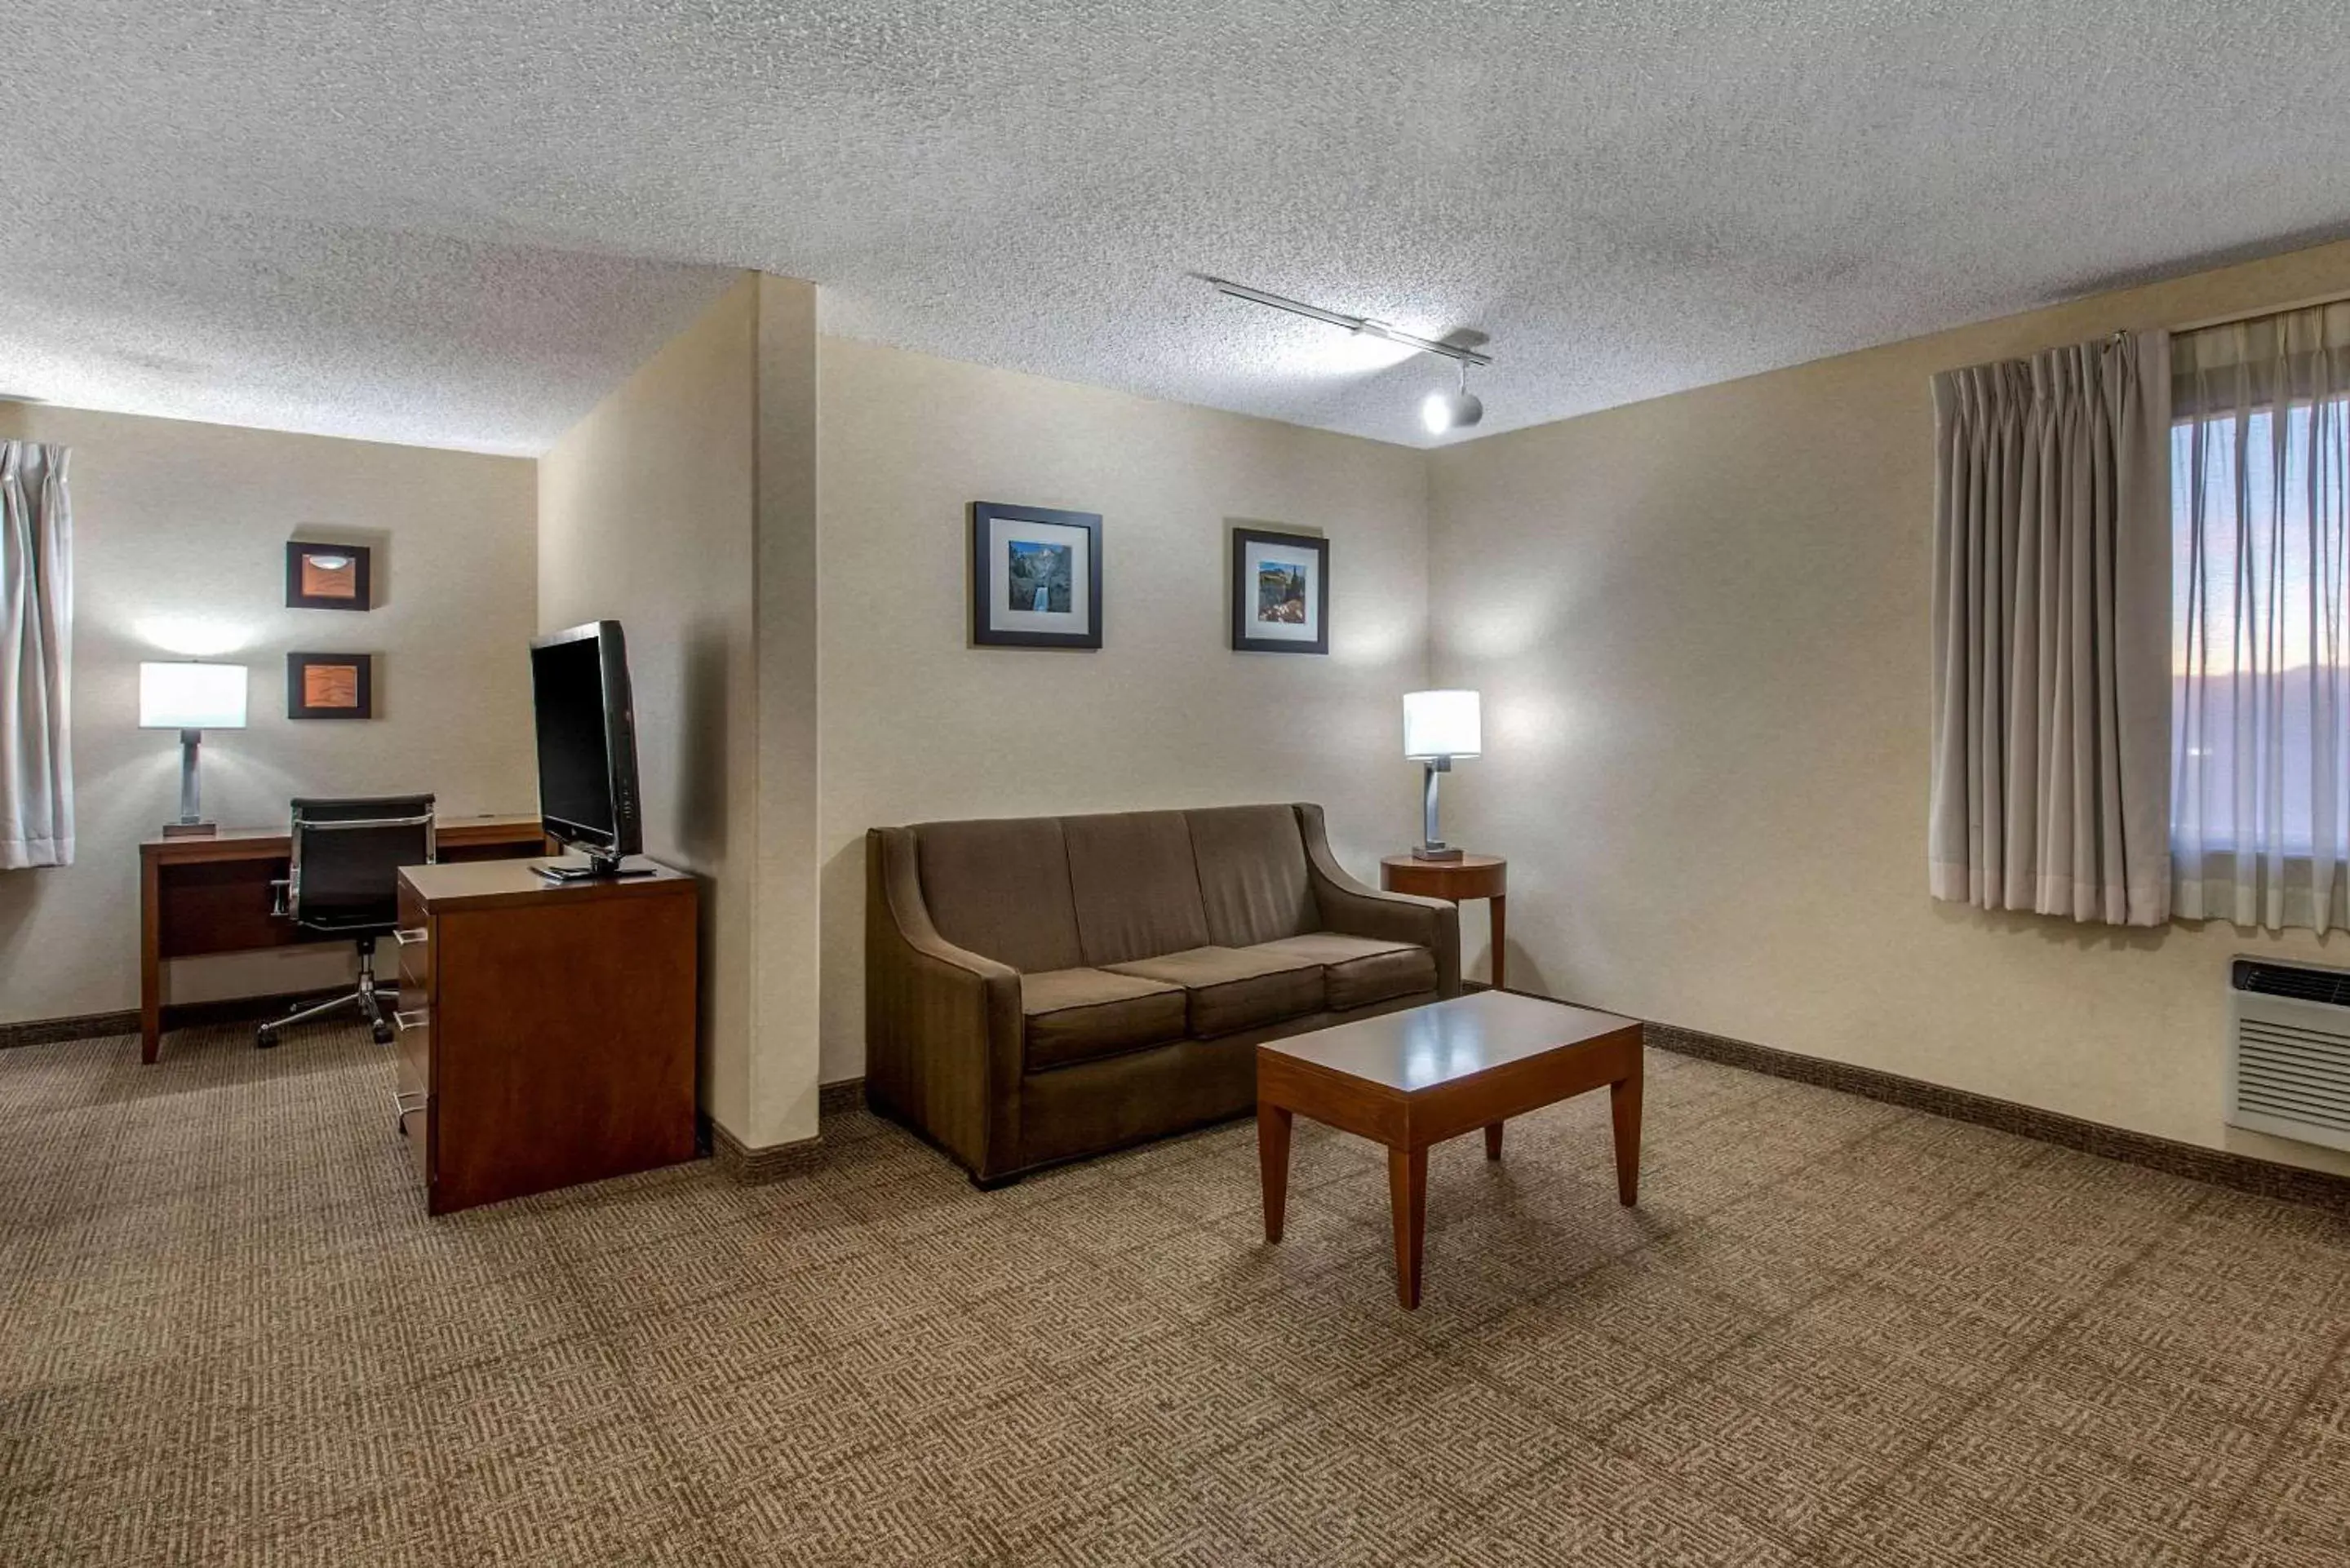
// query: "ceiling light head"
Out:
[1444,412]
[1450,410]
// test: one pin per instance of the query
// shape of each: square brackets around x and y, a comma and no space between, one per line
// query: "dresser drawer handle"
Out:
[411,938]
[415,1018]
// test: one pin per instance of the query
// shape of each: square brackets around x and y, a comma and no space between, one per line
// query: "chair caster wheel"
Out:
[382,1034]
[264,1039]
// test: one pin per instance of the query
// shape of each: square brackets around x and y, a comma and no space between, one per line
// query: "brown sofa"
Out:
[1040,989]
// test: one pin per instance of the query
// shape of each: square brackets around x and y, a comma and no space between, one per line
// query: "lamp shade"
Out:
[190,696]
[1441,724]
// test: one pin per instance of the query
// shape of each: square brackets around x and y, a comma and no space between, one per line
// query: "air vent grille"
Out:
[2295,1073]
[2289,1067]
[2331,987]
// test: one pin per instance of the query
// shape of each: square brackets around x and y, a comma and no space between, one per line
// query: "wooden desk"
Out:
[1484,876]
[212,895]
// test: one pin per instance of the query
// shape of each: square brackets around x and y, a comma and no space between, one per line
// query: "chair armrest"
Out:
[1356,910]
[943,1023]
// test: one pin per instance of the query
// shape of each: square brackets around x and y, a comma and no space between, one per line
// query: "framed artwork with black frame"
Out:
[330,686]
[328,576]
[1281,592]
[1035,576]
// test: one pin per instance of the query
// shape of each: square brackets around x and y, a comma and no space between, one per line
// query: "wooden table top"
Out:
[1466,863]
[474,884]
[262,843]
[1423,1047]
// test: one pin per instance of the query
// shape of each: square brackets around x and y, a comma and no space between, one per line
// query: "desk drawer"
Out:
[413,1100]
[414,946]
[411,1026]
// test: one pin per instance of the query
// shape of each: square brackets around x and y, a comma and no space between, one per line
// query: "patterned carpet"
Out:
[1835,1332]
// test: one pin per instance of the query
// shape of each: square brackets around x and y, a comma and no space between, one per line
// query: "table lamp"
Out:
[190,697]
[1439,726]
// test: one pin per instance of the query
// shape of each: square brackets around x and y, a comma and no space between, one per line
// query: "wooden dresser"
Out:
[546,1031]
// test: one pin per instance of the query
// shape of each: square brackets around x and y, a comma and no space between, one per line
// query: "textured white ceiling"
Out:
[410,218]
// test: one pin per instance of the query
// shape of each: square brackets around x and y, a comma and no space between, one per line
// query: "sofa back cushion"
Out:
[1135,886]
[1253,881]
[1001,889]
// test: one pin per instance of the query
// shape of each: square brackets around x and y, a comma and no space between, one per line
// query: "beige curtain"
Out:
[36,652]
[2051,613]
[2260,814]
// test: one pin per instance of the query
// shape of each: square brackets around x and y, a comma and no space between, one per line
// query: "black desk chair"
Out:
[344,882]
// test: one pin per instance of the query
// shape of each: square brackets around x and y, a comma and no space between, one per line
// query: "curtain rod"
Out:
[2235,316]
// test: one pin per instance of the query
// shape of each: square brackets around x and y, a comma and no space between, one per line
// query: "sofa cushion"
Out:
[1360,971]
[1252,879]
[1001,888]
[1136,890]
[1081,1014]
[1233,989]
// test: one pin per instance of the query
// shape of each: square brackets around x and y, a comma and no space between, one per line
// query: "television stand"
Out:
[592,869]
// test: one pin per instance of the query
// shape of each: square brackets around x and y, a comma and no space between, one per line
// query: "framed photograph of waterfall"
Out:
[1281,592]
[1035,576]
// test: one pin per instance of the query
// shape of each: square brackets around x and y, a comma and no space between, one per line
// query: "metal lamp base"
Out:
[192,830]
[1435,852]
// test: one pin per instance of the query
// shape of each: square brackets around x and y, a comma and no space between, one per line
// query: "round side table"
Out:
[1470,876]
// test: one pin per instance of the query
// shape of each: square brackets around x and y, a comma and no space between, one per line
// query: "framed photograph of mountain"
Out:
[1281,592]
[328,576]
[1035,576]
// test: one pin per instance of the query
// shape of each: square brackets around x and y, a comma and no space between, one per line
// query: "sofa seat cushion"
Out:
[1232,988]
[1081,1014]
[1360,971]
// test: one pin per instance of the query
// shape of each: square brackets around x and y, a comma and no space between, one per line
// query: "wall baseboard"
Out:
[740,1161]
[2220,1167]
[176,1015]
[744,1163]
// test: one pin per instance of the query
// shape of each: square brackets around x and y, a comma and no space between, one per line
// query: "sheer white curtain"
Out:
[36,655]
[2051,785]
[2261,646]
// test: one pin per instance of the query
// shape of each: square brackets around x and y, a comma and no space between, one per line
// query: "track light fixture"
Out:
[1442,410]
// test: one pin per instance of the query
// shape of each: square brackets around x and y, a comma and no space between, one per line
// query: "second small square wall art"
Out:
[1035,576]
[329,686]
[1280,592]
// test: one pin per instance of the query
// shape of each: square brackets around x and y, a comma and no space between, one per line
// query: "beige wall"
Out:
[1700,626]
[916,724]
[645,516]
[179,542]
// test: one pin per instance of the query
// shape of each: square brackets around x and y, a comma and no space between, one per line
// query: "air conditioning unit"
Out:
[2289,1050]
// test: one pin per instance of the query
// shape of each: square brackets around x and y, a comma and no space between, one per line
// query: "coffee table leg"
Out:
[1272,1164]
[1624,1102]
[1407,1197]
[1493,1140]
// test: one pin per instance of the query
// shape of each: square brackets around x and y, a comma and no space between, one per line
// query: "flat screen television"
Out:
[586,747]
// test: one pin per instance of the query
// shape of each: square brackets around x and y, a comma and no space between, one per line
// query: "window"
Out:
[2260,624]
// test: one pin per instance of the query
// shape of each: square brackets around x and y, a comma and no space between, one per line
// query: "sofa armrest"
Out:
[1349,906]
[943,1023]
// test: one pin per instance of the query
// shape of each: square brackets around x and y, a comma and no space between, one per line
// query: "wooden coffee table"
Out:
[1418,1077]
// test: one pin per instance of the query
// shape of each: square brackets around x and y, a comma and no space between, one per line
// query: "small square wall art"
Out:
[328,577]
